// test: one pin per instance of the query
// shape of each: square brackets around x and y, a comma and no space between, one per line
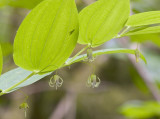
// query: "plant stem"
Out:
[76,55]
[123,32]
[9,89]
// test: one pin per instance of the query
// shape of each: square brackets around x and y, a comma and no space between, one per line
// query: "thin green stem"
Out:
[123,32]
[9,89]
[78,59]
[77,55]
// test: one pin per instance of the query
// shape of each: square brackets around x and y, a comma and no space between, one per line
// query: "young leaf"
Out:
[102,20]
[47,36]
[149,30]
[1,60]
[145,18]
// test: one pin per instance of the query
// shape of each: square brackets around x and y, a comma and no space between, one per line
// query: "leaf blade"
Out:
[46,30]
[148,30]
[102,20]
[145,18]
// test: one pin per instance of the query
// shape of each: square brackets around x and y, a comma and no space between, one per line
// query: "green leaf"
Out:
[15,76]
[102,20]
[7,48]
[1,60]
[149,30]
[154,38]
[47,36]
[29,4]
[146,18]
[141,110]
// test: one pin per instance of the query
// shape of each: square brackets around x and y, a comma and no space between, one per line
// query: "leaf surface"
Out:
[148,30]
[145,18]
[102,20]
[154,38]
[47,36]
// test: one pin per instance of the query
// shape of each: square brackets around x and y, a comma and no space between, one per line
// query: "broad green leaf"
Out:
[15,76]
[149,30]
[7,48]
[154,38]
[141,110]
[29,4]
[47,36]
[102,20]
[1,60]
[146,18]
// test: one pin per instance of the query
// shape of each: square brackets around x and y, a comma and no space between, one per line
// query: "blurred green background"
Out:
[128,90]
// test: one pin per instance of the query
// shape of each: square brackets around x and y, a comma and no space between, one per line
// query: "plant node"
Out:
[90,57]
[93,81]
[55,81]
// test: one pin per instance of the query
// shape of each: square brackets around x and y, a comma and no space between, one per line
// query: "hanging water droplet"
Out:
[56,81]
[93,81]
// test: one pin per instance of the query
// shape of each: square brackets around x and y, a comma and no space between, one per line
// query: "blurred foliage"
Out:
[141,110]
[29,4]
[7,48]
[144,6]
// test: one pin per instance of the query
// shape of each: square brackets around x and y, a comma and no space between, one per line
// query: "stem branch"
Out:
[77,55]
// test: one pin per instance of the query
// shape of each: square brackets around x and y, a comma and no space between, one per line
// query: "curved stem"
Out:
[75,59]
[123,32]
